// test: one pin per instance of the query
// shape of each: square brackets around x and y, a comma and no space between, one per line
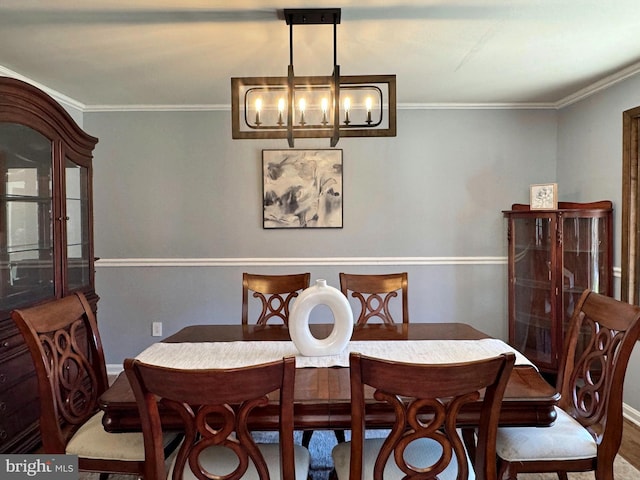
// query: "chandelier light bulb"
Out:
[302,106]
[347,107]
[324,104]
[258,108]
[280,111]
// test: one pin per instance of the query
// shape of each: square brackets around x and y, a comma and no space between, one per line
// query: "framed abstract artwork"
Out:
[302,188]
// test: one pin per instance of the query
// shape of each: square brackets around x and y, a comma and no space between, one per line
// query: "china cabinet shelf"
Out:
[531,283]
[46,236]
[554,255]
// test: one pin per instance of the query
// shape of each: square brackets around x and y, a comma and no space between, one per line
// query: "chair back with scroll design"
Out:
[600,338]
[375,292]
[215,406]
[62,337]
[275,293]
[424,441]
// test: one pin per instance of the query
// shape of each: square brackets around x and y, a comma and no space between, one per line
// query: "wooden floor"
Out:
[630,448]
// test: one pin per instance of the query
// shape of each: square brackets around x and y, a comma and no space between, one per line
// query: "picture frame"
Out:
[302,188]
[543,196]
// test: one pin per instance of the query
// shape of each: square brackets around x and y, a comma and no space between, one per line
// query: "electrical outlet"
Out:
[156,329]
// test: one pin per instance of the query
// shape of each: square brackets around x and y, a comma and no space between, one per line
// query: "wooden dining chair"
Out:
[275,293]
[64,342]
[587,433]
[375,292]
[214,405]
[424,441]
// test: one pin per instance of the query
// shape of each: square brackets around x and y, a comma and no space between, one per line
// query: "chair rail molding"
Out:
[294,261]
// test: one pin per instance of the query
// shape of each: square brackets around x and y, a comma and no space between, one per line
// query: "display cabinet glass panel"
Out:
[77,221]
[532,282]
[26,222]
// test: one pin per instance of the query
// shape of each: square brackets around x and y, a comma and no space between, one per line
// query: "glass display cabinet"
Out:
[46,237]
[554,255]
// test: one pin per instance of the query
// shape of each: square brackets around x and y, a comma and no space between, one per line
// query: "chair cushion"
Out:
[421,452]
[566,439]
[221,460]
[92,441]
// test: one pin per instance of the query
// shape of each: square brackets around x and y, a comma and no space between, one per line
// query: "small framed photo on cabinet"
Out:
[544,196]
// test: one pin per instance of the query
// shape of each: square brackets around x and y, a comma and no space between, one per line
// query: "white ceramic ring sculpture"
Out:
[320,294]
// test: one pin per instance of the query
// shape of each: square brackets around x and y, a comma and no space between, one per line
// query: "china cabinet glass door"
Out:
[532,282]
[77,223]
[26,218]
[585,262]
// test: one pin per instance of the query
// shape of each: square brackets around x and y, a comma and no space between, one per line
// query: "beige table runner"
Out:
[203,355]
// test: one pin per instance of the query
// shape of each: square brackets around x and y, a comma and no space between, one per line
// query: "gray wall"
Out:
[174,187]
[590,168]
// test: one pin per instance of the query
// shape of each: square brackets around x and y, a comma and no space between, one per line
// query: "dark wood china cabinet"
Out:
[554,255]
[46,236]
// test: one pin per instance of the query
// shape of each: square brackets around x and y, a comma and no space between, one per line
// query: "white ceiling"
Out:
[183,52]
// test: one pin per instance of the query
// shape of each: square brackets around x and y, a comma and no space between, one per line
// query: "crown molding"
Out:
[598,86]
[400,106]
[61,98]
[478,106]
[592,89]
[157,108]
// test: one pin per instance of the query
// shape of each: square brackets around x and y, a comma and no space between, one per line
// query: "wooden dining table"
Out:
[322,395]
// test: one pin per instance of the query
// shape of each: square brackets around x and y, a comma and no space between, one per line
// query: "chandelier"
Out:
[313,106]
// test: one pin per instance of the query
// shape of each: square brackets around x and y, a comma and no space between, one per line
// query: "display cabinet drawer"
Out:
[13,399]
[11,346]
[21,422]
[15,368]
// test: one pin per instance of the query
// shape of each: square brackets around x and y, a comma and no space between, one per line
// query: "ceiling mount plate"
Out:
[312,16]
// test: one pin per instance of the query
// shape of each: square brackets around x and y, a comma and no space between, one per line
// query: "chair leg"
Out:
[339,435]
[562,475]
[505,472]
[469,439]
[306,438]
[604,471]
[104,476]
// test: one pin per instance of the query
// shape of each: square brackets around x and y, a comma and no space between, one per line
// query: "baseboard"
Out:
[631,414]
[114,369]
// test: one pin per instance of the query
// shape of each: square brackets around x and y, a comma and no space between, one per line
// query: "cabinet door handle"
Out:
[3,406]
[3,435]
